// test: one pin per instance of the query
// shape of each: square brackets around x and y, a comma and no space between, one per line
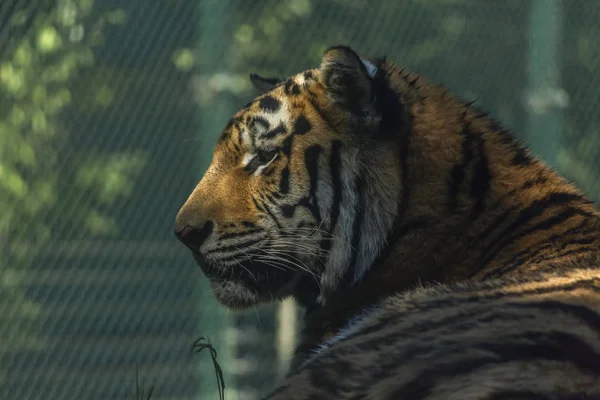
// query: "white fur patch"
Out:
[370,67]
[247,158]
[246,139]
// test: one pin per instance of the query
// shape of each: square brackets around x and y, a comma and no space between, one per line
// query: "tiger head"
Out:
[303,186]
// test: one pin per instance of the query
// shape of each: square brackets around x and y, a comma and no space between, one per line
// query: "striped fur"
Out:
[534,338]
[345,185]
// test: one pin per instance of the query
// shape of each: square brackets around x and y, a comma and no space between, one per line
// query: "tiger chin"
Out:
[355,186]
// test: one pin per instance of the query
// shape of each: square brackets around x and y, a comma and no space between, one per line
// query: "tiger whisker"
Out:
[291,245]
[300,265]
[314,230]
[281,247]
[240,264]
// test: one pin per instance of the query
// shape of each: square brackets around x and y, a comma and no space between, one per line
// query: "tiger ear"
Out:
[263,84]
[348,79]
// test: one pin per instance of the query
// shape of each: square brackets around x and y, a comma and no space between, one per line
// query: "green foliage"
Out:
[44,167]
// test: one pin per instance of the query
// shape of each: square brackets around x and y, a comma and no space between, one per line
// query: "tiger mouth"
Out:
[250,273]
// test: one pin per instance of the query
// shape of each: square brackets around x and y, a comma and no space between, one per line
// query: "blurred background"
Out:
[109,111]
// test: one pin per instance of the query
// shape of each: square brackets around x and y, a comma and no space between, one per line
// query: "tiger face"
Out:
[302,188]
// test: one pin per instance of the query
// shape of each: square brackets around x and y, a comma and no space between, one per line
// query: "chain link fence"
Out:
[109,111]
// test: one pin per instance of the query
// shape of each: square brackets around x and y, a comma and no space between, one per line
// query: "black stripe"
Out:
[546,346]
[225,135]
[240,138]
[301,126]
[237,256]
[521,157]
[240,234]
[534,254]
[357,225]
[585,314]
[454,302]
[265,209]
[284,183]
[311,160]
[279,130]
[557,220]
[312,206]
[504,215]
[535,209]
[291,88]
[271,197]
[287,210]
[269,103]
[286,147]
[575,242]
[394,117]
[578,251]
[480,184]
[513,394]
[456,323]
[546,224]
[256,120]
[235,247]
[335,165]
[457,176]
[273,217]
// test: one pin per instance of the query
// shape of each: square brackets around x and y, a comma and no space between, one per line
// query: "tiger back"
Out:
[532,337]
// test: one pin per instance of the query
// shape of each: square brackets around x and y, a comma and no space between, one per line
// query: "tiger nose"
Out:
[193,237]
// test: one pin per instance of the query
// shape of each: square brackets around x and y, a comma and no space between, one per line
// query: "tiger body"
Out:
[510,338]
[351,186]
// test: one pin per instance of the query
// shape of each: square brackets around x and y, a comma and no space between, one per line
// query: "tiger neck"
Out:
[473,205]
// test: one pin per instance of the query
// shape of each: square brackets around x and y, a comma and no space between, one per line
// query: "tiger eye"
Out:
[264,156]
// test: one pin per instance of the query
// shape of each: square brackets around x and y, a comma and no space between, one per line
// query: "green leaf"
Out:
[48,40]
[184,59]
[116,17]
[11,181]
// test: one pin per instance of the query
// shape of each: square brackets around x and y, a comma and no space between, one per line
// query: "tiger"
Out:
[433,254]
